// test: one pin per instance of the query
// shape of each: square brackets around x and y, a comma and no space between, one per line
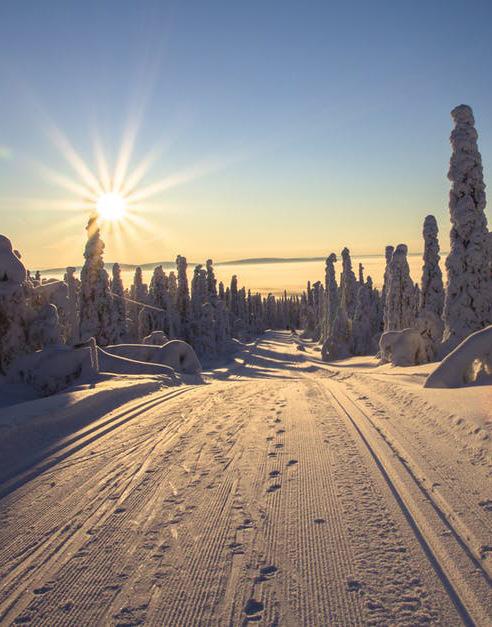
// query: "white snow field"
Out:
[283,491]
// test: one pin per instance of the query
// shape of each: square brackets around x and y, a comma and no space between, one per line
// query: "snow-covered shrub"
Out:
[468,304]
[432,290]
[399,309]
[44,329]
[469,362]
[52,369]
[403,348]
[430,326]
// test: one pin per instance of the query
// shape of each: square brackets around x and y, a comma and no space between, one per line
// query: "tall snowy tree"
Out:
[73,285]
[211,280]
[432,289]
[399,309]
[96,303]
[331,294]
[119,302]
[183,297]
[468,303]
[362,333]
[348,284]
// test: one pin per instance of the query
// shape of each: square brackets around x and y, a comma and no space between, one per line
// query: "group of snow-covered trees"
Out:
[35,313]
[418,323]
[347,317]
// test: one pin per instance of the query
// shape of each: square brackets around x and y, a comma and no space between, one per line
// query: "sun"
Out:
[111,207]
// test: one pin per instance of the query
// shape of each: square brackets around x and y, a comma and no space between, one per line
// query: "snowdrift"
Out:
[53,369]
[116,364]
[469,362]
[177,354]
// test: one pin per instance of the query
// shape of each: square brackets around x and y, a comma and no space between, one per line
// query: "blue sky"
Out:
[318,124]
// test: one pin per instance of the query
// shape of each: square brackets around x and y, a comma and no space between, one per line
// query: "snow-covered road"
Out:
[271,495]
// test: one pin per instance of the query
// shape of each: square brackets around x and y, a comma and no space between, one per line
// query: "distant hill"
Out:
[234,262]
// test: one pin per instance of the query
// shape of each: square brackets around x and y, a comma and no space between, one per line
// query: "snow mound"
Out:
[181,356]
[469,362]
[52,369]
[11,267]
[156,338]
[177,354]
[403,348]
[115,364]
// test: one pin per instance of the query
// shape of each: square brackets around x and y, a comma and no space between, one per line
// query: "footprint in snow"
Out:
[253,607]
[266,573]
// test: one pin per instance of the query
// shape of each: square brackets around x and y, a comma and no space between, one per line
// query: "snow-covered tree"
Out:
[348,284]
[211,281]
[468,303]
[138,294]
[183,297]
[159,298]
[399,310]
[361,274]
[388,254]
[331,293]
[73,285]
[432,290]
[362,331]
[119,302]
[96,302]
[13,305]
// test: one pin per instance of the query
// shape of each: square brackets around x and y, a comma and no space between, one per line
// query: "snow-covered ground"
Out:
[283,491]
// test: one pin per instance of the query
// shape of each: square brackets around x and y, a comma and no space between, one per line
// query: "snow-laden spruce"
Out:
[399,310]
[97,314]
[362,333]
[348,284]
[118,293]
[73,285]
[432,289]
[182,298]
[468,304]
[331,295]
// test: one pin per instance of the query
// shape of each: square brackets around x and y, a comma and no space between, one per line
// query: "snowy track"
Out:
[266,496]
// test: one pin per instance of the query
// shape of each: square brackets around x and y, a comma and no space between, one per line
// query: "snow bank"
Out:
[156,338]
[53,369]
[115,364]
[176,354]
[470,362]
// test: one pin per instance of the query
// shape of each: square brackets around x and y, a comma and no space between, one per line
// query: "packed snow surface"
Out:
[285,491]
